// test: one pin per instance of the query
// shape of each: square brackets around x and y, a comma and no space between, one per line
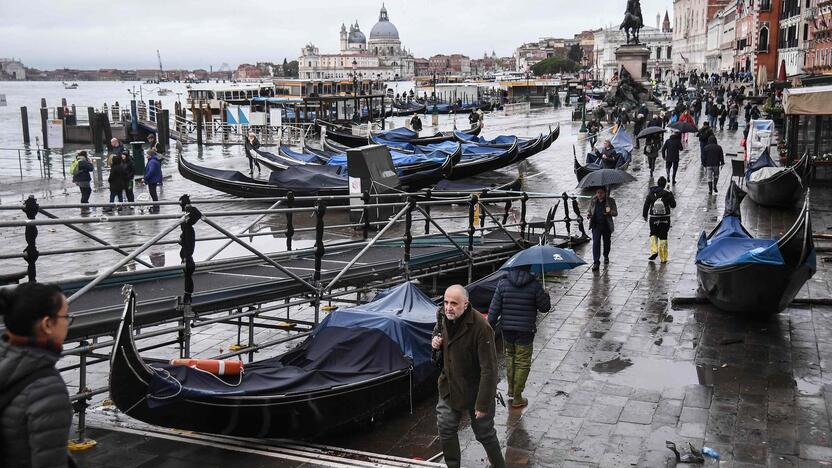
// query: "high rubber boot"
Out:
[511,357]
[522,367]
[710,187]
[495,454]
[663,251]
[451,452]
[654,247]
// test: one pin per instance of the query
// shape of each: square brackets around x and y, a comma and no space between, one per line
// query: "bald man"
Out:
[468,382]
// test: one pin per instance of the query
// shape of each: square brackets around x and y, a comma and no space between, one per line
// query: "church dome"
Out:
[356,36]
[384,29]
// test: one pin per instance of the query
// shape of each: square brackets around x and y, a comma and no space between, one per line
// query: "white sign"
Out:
[759,138]
[55,133]
[275,117]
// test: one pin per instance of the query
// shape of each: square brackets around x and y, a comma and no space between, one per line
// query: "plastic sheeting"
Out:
[300,156]
[399,159]
[308,178]
[763,161]
[730,244]
[499,140]
[349,346]
[400,134]
[814,100]
[622,141]
[765,172]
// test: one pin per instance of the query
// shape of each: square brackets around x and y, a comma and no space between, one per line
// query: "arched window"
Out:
[762,43]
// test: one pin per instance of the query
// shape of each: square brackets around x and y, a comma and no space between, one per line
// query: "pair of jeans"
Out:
[447,421]
[85,194]
[672,167]
[114,194]
[599,234]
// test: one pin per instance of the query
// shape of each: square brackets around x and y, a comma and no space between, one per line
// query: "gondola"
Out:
[622,141]
[405,163]
[304,180]
[740,273]
[770,185]
[275,162]
[357,365]
[471,165]
[409,108]
[339,135]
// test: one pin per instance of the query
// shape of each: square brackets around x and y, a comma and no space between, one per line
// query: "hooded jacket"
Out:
[671,148]
[153,171]
[35,425]
[117,178]
[517,300]
[654,194]
[713,155]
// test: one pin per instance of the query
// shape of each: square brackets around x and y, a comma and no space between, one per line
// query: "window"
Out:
[805,31]
[762,43]
[658,53]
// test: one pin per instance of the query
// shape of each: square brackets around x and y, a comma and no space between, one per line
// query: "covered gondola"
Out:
[771,185]
[408,108]
[404,162]
[357,365]
[622,141]
[740,273]
[342,136]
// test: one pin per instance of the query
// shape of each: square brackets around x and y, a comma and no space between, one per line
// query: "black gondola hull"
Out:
[757,289]
[781,190]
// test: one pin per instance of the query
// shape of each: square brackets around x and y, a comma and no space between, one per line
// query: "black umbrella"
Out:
[604,177]
[684,127]
[650,131]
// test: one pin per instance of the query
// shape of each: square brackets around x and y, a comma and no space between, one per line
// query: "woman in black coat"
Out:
[670,152]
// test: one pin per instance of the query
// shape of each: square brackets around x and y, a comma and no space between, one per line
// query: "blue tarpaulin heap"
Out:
[300,156]
[731,244]
[499,140]
[400,134]
[399,159]
[310,178]
[389,334]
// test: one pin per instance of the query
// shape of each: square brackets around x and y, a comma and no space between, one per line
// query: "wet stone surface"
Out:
[617,371]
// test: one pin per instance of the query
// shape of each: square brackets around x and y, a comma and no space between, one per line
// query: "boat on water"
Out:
[740,273]
[355,366]
[622,141]
[70,85]
[344,136]
[771,185]
[164,92]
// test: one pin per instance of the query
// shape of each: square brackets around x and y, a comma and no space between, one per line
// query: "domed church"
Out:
[382,56]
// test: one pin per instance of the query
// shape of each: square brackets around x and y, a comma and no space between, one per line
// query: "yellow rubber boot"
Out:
[654,247]
[663,253]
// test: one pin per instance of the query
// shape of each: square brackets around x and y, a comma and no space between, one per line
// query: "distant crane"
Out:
[159,56]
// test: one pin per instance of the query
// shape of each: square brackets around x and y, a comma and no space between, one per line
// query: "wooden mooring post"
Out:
[24,120]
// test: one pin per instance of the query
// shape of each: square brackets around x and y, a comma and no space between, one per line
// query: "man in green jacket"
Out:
[468,382]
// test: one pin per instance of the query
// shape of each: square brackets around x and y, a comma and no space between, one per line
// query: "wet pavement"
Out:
[618,370]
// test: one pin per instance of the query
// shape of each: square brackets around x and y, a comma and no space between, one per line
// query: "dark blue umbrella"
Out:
[543,258]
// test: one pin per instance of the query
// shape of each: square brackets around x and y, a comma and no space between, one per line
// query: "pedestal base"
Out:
[633,58]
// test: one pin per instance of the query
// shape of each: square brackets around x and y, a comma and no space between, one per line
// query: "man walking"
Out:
[713,160]
[153,177]
[602,210]
[516,301]
[249,144]
[670,152]
[657,205]
[704,134]
[468,382]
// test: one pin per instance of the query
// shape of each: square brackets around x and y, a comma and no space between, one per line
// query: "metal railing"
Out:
[413,218]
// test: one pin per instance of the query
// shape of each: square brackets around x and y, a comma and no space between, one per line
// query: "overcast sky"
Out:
[200,33]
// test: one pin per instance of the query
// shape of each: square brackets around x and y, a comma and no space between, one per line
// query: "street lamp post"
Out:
[528,91]
[435,114]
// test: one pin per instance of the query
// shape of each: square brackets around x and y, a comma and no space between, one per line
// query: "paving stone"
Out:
[698,396]
[640,412]
[815,452]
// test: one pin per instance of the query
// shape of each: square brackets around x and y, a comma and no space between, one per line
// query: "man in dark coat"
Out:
[516,302]
[602,210]
[657,206]
[608,157]
[704,133]
[468,381]
[251,143]
[117,180]
[82,177]
[670,152]
[714,159]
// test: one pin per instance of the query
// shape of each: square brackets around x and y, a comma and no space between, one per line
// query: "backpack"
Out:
[73,168]
[658,208]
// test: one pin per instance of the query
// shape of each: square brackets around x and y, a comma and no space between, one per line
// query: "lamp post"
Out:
[355,115]
[435,114]
[528,91]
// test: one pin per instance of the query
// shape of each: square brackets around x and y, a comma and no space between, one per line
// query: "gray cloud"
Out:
[200,33]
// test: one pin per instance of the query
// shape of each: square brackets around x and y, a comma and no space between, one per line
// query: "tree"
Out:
[576,53]
[291,69]
[553,65]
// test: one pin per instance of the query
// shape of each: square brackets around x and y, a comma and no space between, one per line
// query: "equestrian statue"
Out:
[633,21]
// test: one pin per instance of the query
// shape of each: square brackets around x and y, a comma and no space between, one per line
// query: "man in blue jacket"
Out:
[153,177]
[516,302]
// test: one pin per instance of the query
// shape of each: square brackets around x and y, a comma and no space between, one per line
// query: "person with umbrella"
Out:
[657,205]
[686,117]
[516,302]
[670,152]
[602,210]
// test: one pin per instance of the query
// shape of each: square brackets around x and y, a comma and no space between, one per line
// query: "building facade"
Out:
[380,57]
[819,51]
[659,65]
[793,39]
[528,54]
[12,69]
[690,32]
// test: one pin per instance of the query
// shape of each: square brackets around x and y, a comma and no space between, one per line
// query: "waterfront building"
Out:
[454,64]
[819,52]
[793,38]
[757,36]
[528,54]
[659,65]
[690,32]
[12,69]
[381,57]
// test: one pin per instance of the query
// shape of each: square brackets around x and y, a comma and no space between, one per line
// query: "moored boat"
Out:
[771,185]
[622,141]
[740,273]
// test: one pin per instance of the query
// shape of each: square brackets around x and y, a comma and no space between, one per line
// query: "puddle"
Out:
[612,366]
[647,373]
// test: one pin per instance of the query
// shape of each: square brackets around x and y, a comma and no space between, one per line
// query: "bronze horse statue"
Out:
[633,21]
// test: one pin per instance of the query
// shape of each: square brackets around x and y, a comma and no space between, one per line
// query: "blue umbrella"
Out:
[543,258]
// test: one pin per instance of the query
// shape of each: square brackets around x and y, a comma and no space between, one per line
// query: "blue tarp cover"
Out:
[308,178]
[399,159]
[731,245]
[622,141]
[499,140]
[349,346]
[400,134]
[300,156]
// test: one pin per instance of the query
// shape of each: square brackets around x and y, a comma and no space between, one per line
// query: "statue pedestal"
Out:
[633,58]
